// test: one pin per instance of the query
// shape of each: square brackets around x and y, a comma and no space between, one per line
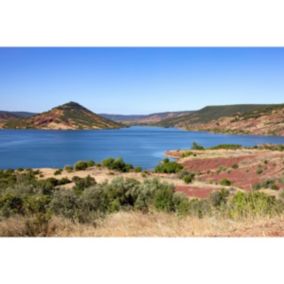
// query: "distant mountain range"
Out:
[67,116]
[15,114]
[153,118]
[250,119]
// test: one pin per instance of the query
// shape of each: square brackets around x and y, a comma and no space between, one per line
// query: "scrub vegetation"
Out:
[38,202]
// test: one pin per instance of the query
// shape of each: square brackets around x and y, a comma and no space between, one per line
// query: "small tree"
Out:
[196,146]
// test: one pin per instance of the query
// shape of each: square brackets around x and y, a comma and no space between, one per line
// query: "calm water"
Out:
[140,146]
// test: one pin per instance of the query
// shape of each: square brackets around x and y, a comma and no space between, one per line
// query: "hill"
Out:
[67,116]
[14,114]
[250,119]
[149,119]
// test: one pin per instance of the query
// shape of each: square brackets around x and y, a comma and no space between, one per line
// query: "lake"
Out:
[140,146]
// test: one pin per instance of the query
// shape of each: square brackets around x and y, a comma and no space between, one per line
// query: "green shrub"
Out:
[225,182]
[187,154]
[181,204]
[68,169]
[138,170]
[163,199]
[168,167]
[81,166]
[188,179]
[66,203]
[259,171]
[82,183]
[124,190]
[146,193]
[196,146]
[199,208]
[267,184]
[117,164]
[94,200]
[64,181]
[254,204]
[186,176]
[37,203]
[235,166]
[91,164]
[58,172]
[219,198]
[227,147]
[11,204]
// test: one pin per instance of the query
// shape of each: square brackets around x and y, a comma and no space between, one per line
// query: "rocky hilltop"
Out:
[71,116]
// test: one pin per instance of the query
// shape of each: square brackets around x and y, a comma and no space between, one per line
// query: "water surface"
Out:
[140,146]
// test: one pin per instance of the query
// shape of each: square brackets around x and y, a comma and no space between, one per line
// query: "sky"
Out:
[139,80]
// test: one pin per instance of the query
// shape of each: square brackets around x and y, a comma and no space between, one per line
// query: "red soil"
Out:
[200,165]
[246,177]
[194,191]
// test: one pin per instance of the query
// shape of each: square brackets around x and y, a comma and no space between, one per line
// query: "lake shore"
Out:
[214,173]
[145,146]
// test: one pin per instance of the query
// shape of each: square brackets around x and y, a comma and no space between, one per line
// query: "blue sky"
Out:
[139,80]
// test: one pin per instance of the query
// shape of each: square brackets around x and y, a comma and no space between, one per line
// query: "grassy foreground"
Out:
[137,224]
[34,206]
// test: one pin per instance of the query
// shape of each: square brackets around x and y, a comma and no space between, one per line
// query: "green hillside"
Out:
[210,113]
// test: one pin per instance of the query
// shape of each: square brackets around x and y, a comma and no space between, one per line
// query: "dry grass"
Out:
[102,174]
[132,224]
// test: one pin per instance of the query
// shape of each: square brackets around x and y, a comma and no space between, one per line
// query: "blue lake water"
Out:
[140,146]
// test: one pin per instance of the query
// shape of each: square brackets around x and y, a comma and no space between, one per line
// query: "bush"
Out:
[227,147]
[187,154]
[219,198]
[68,169]
[63,181]
[259,170]
[225,182]
[235,166]
[117,164]
[11,204]
[58,172]
[82,183]
[268,184]
[37,203]
[125,191]
[138,170]
[196,146]
[254,204]
[81,166]
[168,167]
[91,164]
[181,204]
[66,203]
[186,176]
[147,193]
[163,199]
[199,208]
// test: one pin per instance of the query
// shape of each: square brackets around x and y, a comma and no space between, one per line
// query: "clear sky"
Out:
[139,80]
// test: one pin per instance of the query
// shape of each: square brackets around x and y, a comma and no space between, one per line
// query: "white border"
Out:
[141,261]
[141,23]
